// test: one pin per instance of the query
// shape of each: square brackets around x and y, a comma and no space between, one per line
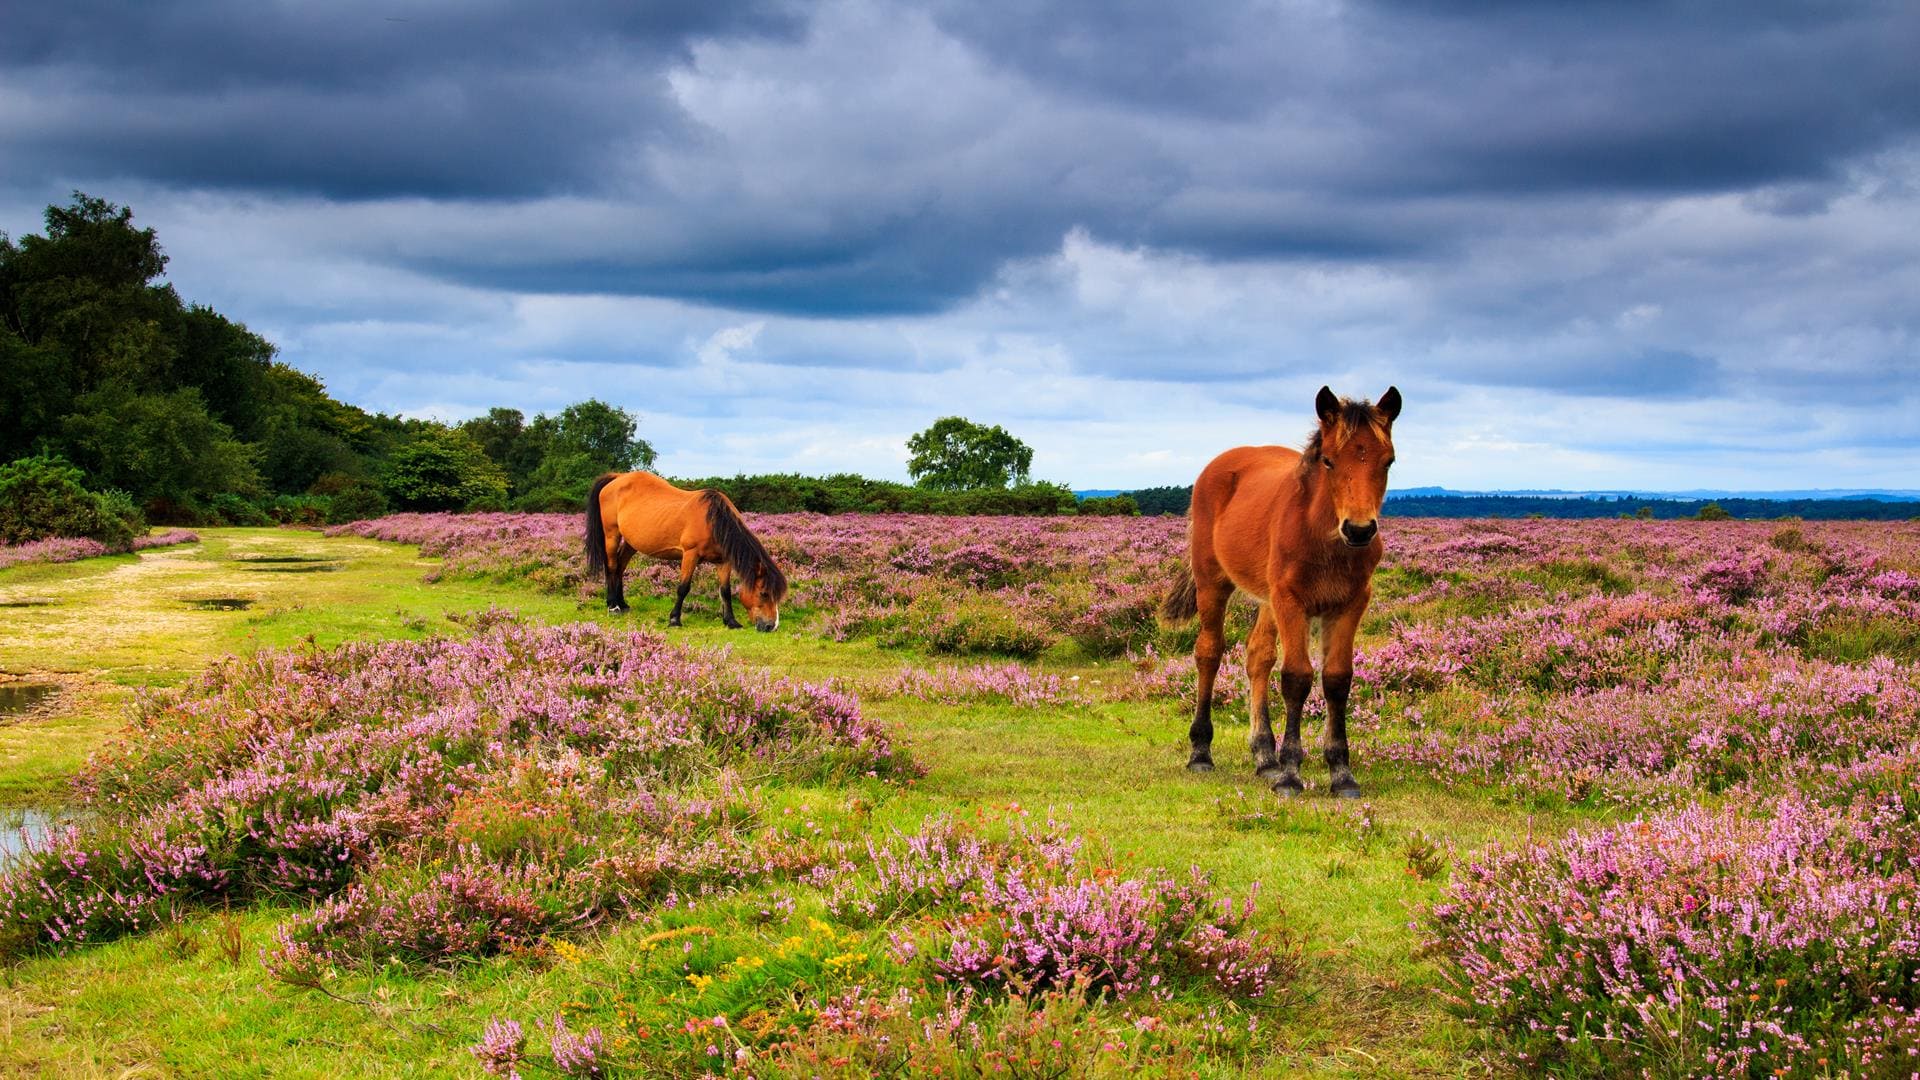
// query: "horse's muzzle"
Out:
[1359,535]
[765,626]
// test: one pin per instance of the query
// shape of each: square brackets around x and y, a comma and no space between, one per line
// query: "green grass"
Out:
[195,1001]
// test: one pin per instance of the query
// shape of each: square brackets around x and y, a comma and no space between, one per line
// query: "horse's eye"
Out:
[1390,462]
[1328,462]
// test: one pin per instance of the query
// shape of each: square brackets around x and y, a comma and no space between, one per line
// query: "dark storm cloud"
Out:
[1231,131]
[352,100]
[1582,205]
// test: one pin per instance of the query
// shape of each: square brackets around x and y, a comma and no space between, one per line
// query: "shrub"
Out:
[443,470]
[349,498]
[1109,506]
[42,497]
[1720,943]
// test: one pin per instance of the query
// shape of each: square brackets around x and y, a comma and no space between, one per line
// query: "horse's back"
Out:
[652,515]
[1235,501]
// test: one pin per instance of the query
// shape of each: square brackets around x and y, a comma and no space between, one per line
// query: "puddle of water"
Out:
[19,827]
[18,697]
[219,603]
[308,568]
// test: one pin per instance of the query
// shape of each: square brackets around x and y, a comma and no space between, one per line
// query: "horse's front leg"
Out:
[1336,680]
[689,562]
[1260,657]
[1296,679]
[726,597]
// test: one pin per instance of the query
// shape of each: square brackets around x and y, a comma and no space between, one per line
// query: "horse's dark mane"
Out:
[743,550]
[1353,416]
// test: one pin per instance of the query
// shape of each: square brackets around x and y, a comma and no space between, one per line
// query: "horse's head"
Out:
[762,593]
[1355,447]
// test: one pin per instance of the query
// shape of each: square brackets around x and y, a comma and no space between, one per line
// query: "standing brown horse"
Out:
[1300,532]
[639,513]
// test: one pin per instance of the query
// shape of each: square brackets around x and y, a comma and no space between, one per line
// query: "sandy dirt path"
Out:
[158,617]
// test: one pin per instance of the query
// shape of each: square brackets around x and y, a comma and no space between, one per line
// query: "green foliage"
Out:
[1109,506]
[550,463]
[1713,511]
[42,497]
[846,493]
[443,469]
[350,498]
[1163,500]
[162,446]
[956,454]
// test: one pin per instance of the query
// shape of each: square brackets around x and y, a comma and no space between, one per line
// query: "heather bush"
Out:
[1031,913]
[560,764]
[1755,721]
[1727,943]
[67,549]
[1052,1033]
[1003,683]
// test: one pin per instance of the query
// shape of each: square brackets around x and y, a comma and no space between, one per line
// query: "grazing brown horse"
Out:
[639,513]
[1300,532]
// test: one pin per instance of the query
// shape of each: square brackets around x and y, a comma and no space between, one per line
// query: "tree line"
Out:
[122,403]
[108,374]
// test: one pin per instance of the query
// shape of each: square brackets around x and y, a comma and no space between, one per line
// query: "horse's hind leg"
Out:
[617,561]
[726,597]
[689,562]
[1208,648]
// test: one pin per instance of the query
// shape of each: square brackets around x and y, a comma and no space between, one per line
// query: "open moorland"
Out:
[403,799]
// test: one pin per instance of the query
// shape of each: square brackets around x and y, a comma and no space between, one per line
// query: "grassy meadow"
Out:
[406,801]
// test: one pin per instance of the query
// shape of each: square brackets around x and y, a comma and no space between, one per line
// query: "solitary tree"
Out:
[956,454]
[443,469]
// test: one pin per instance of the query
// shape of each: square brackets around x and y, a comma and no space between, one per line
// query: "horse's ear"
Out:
[1327,405]
[1390,403]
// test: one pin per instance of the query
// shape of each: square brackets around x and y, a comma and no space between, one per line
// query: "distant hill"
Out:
[1694,494]
[1822,505]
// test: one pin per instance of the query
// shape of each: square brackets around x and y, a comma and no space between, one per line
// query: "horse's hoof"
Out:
[673,622]
[1289,787]
[1200,765]
[731,625]
[1348,790]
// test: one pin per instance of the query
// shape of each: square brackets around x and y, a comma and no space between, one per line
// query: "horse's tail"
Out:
[743,550]
[1182,601]
[597,529]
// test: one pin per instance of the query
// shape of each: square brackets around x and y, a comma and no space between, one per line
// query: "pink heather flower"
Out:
[576,1055]
[501,1048]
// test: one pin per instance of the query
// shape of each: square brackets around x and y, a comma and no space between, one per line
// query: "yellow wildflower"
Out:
[846,960]
[700,982]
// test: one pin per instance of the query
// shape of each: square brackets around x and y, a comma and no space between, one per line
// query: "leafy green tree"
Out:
[443,469]
[497,434]
[603,435]
[44,496]
[36,389]
[583,441]
[956,454]
[1713,511]
[165,448]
